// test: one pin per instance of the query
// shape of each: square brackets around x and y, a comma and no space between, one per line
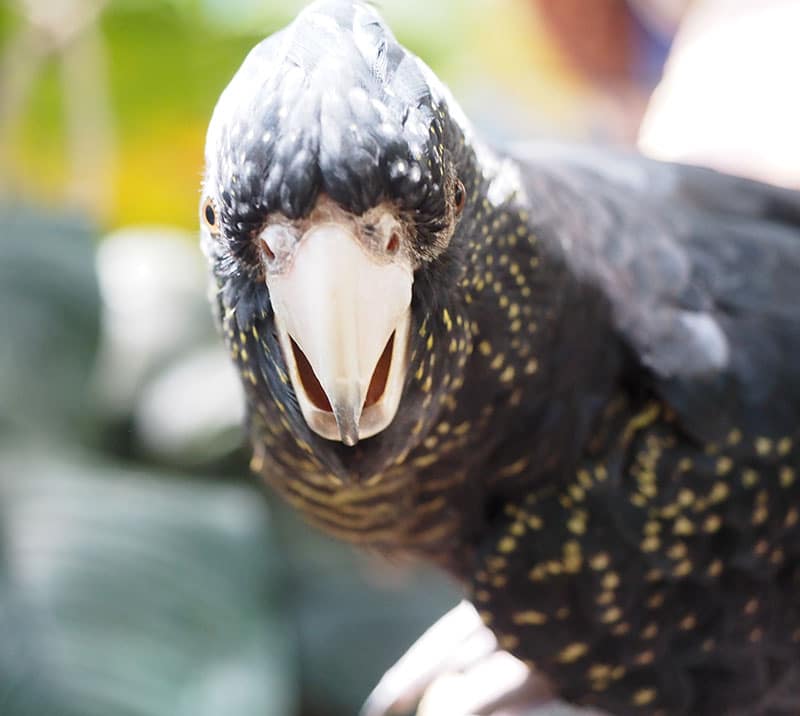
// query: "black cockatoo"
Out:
[571,378]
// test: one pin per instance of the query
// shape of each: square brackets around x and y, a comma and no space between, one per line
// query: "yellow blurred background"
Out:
[105,103]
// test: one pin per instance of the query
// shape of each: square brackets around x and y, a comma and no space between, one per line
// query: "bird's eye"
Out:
[210,218]
[459,197]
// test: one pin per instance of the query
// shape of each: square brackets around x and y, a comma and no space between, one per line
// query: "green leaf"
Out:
[49,320]
[129,594]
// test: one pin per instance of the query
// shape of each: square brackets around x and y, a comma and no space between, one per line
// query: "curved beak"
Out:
[343,318]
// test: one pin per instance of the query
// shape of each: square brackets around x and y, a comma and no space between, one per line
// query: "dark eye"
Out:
[210,216]
[459,197]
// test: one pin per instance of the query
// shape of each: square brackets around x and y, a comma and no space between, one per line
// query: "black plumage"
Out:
[599,426]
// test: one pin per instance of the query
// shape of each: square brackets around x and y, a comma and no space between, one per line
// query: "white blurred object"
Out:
[498,685]
[192,409]
[729,95]
[454,641]
[161,361]
[456,668]
[153,285]
[471,691]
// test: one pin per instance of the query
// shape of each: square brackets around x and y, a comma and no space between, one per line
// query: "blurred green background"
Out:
[142,570]
[106,103]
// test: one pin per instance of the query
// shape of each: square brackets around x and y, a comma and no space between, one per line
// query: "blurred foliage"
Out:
[131,593]
[49,321]
[143,79]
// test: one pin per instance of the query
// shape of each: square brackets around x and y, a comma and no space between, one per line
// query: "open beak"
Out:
[343,318]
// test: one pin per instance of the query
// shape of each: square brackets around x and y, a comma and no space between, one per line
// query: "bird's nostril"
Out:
[394,243]
[268,252]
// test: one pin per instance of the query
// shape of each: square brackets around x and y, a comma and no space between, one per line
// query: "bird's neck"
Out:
[540,345]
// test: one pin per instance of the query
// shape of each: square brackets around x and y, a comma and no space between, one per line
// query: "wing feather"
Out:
[702,272]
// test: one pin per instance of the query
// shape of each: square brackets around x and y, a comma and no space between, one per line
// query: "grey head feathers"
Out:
[333,104]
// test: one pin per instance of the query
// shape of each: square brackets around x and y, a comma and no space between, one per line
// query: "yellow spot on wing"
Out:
[577,524]
[643,697]
[614,614]
[760,515]
[610,580]
[448,322]
[508,641]
[517,529]
[535,522]
[763,446]
[425,460]
[531,366]
[734,437]
[515,468]
[749,478]
[600,561]
[724,465]
[573,557]
[683,526]
[571,653]
[617,672]
[650,631]
[651,528]
[506,545]
[529,617]
[598,672]
[650,544]
[605,598]
[719,492]
[462,428]
[677,551]
[641,420]
[682,568]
